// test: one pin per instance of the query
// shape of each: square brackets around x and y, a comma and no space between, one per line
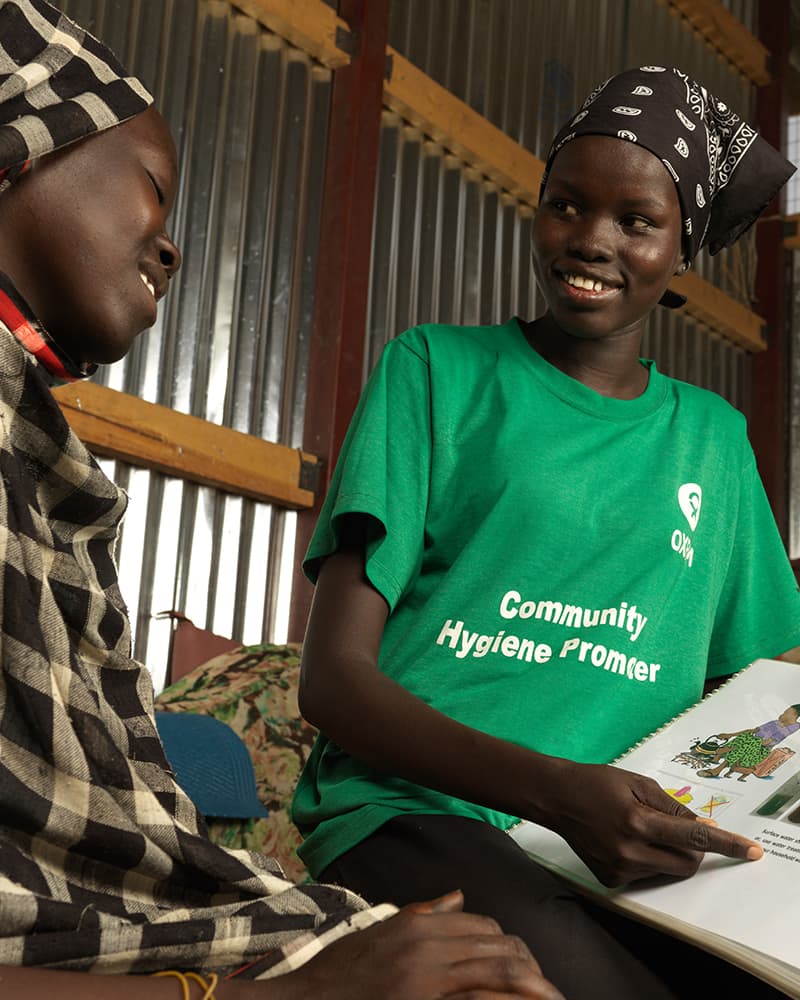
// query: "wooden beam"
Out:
[115,425]
[341,293]
[462,131]
[724,315]
[310,25]
[727,35]
[770,387]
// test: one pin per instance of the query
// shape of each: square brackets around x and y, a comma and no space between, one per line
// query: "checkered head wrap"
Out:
[58,84]
[724,171]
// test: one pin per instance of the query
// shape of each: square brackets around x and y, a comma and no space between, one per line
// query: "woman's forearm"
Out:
[376,720]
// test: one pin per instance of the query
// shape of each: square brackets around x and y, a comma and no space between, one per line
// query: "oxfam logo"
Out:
[690,496]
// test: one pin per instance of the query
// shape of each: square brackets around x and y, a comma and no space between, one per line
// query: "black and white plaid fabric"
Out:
[58,84]
[104,861]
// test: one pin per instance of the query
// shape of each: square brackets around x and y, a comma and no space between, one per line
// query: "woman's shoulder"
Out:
[431,339]
[706,405]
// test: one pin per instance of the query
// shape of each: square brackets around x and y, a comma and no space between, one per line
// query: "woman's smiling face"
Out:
[606,237]
[84,237]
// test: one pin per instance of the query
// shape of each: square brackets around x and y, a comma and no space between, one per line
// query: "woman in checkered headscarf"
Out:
[105,864]
[60,91]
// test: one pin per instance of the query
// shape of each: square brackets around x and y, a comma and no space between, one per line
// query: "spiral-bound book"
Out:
[733,757]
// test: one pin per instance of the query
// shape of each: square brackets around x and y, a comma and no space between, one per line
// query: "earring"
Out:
[684,267]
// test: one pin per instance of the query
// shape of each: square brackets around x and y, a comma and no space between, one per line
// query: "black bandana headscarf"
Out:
[58,84]
[725,172]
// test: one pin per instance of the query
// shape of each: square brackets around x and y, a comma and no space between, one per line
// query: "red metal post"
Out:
[342,286]
[770,369]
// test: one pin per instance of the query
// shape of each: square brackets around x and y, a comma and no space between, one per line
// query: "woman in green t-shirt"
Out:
[404,797]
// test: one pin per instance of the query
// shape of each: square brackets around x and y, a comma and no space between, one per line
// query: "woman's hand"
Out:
[428,950]
[625,827]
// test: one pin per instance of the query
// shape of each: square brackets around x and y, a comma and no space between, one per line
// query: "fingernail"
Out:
[447,901]
[755,852]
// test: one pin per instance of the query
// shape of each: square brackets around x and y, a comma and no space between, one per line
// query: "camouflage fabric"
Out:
[254,690]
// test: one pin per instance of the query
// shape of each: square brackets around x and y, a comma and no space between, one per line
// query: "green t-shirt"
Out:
[562,569]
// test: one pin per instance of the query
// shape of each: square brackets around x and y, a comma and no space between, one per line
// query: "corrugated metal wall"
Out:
[249,114]
[447,246]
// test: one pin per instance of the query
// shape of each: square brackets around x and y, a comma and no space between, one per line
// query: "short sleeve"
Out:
[383,471]
[758,614]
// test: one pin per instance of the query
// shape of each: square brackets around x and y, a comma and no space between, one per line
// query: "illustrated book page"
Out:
[734,757]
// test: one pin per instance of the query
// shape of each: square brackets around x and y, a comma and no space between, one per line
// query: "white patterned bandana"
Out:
[58,84]
[725,172]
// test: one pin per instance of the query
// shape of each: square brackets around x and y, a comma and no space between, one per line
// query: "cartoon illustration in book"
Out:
[682,795]
[715,803]
[746,752]
[699,799]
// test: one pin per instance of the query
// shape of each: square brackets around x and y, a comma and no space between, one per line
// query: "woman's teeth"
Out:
[588,283]
[148,284]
